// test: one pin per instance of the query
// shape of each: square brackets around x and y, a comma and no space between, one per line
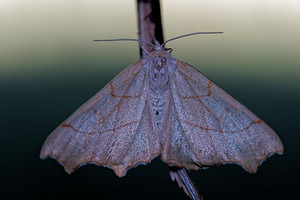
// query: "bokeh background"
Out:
[49,66]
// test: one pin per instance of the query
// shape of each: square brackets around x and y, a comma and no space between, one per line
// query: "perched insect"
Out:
[161,107]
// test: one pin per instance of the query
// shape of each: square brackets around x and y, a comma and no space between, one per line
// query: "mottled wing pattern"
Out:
[111,129]
[214,127]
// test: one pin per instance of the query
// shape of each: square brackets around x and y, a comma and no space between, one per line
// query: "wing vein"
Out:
[203,110]
[179,120]
[138,124]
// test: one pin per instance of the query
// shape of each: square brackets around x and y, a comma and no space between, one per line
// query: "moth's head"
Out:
[158,54]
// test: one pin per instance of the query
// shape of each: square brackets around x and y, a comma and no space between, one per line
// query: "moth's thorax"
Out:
[160,63]
[159,57]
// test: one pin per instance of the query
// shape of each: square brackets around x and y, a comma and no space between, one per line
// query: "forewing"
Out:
[111,129]
[217,129]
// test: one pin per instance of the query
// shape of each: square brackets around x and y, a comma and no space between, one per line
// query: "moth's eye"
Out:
[169,50]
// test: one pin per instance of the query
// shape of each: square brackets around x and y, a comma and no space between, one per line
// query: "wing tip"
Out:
[253,168]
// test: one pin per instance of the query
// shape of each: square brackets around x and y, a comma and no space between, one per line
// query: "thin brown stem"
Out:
[182,178]
[150,29]
[149,19]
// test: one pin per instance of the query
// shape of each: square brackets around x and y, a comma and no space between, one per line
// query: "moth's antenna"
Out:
[190,34]
[124,39]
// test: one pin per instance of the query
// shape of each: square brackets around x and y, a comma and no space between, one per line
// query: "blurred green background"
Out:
[49,66]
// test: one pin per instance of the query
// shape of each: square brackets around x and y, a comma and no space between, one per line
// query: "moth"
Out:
[161,107]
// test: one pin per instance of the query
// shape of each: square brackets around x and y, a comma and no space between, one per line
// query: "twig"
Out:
[150,28]
[184,181]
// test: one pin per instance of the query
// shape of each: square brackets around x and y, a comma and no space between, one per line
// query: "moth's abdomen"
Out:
[158,100]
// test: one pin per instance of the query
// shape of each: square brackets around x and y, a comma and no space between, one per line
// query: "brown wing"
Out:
[111,129]
[209,127]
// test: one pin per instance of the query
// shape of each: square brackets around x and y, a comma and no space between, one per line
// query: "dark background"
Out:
[49,66]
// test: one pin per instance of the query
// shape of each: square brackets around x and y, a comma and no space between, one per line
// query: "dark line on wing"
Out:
[90,133]
[220,131]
